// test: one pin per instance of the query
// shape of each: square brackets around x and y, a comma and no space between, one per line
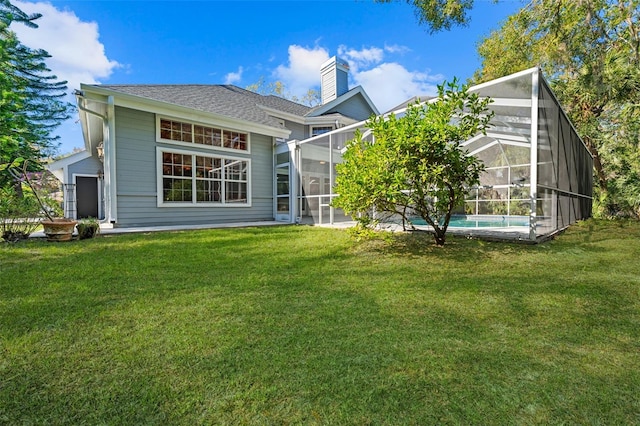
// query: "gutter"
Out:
[165,108]
[80,97]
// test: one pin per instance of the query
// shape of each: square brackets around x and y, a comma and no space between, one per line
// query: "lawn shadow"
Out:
[304,325]
[420,244]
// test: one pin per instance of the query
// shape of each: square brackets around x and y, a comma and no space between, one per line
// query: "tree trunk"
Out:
[439,237]
[17,186]
[597,164]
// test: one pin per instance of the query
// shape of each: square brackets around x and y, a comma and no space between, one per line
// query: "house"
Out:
[194,154]
[206,154]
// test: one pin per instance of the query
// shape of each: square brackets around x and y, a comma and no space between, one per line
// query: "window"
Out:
[235,140]
[178,131]
[315,131]
[235,181]
[208,180]
[203,179]
[207,136]
[177,177]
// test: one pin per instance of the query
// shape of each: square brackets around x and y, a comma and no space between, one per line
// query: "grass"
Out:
[300,325]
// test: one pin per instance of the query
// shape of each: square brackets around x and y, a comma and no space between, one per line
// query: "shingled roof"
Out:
[225,100]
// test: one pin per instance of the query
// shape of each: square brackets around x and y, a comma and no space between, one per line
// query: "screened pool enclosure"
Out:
[538,178]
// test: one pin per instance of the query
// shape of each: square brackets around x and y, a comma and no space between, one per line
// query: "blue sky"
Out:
[239,42]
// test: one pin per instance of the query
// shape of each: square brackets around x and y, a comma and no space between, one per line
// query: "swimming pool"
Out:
[482,221]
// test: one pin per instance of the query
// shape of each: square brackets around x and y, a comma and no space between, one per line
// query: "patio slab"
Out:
[108,229]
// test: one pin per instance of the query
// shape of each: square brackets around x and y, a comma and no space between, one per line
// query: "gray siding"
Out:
[137,179]
[88,166]
[298,131]
[355,107]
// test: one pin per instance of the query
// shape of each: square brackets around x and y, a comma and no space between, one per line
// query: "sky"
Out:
[241,42]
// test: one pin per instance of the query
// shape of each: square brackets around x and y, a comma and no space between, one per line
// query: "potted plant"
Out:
[55,228]
[88,228]
[59,228]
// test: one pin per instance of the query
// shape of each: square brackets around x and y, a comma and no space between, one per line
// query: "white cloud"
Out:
[387,83]
[361,58]
[233,77]
[396,48]
[303,70]
[390,84]
[76,52]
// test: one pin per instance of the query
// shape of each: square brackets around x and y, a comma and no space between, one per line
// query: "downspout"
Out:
[108,129]
[80,101]
[274,179]
[110,162]
[89,111]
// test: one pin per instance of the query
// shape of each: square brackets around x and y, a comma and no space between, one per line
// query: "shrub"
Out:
[414,162]
[19,216]
[88,228]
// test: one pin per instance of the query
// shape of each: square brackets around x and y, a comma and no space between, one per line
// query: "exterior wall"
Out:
[298,131]
[91,167]
[88,166]
[354,107]
[136,170]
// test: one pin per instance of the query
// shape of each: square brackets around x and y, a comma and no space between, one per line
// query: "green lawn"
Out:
[301,325]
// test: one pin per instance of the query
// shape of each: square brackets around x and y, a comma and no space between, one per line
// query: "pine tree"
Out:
[31,98]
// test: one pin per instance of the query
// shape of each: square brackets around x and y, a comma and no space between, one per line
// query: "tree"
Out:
[590,52]
[414,165]
[438,15]
[31,104]
[278,88]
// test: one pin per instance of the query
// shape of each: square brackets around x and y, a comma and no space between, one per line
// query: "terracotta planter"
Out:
[59,229]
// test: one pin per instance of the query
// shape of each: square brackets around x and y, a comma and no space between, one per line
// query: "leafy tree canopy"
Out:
[413,165]
[590,52]
[31,104]
[439,15]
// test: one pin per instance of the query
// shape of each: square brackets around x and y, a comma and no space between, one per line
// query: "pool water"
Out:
[461,221]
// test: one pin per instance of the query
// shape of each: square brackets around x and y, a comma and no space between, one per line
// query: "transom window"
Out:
[197,179]
[319,130]
[173,130]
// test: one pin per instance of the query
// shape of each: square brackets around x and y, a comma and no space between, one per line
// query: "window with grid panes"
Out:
[199,179]
[173,130]
[320,130]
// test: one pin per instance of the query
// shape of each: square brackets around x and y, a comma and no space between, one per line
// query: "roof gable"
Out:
[340,104]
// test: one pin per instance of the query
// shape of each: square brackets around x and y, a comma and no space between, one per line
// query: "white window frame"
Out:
[202,146]
[332,127]
[194,202]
